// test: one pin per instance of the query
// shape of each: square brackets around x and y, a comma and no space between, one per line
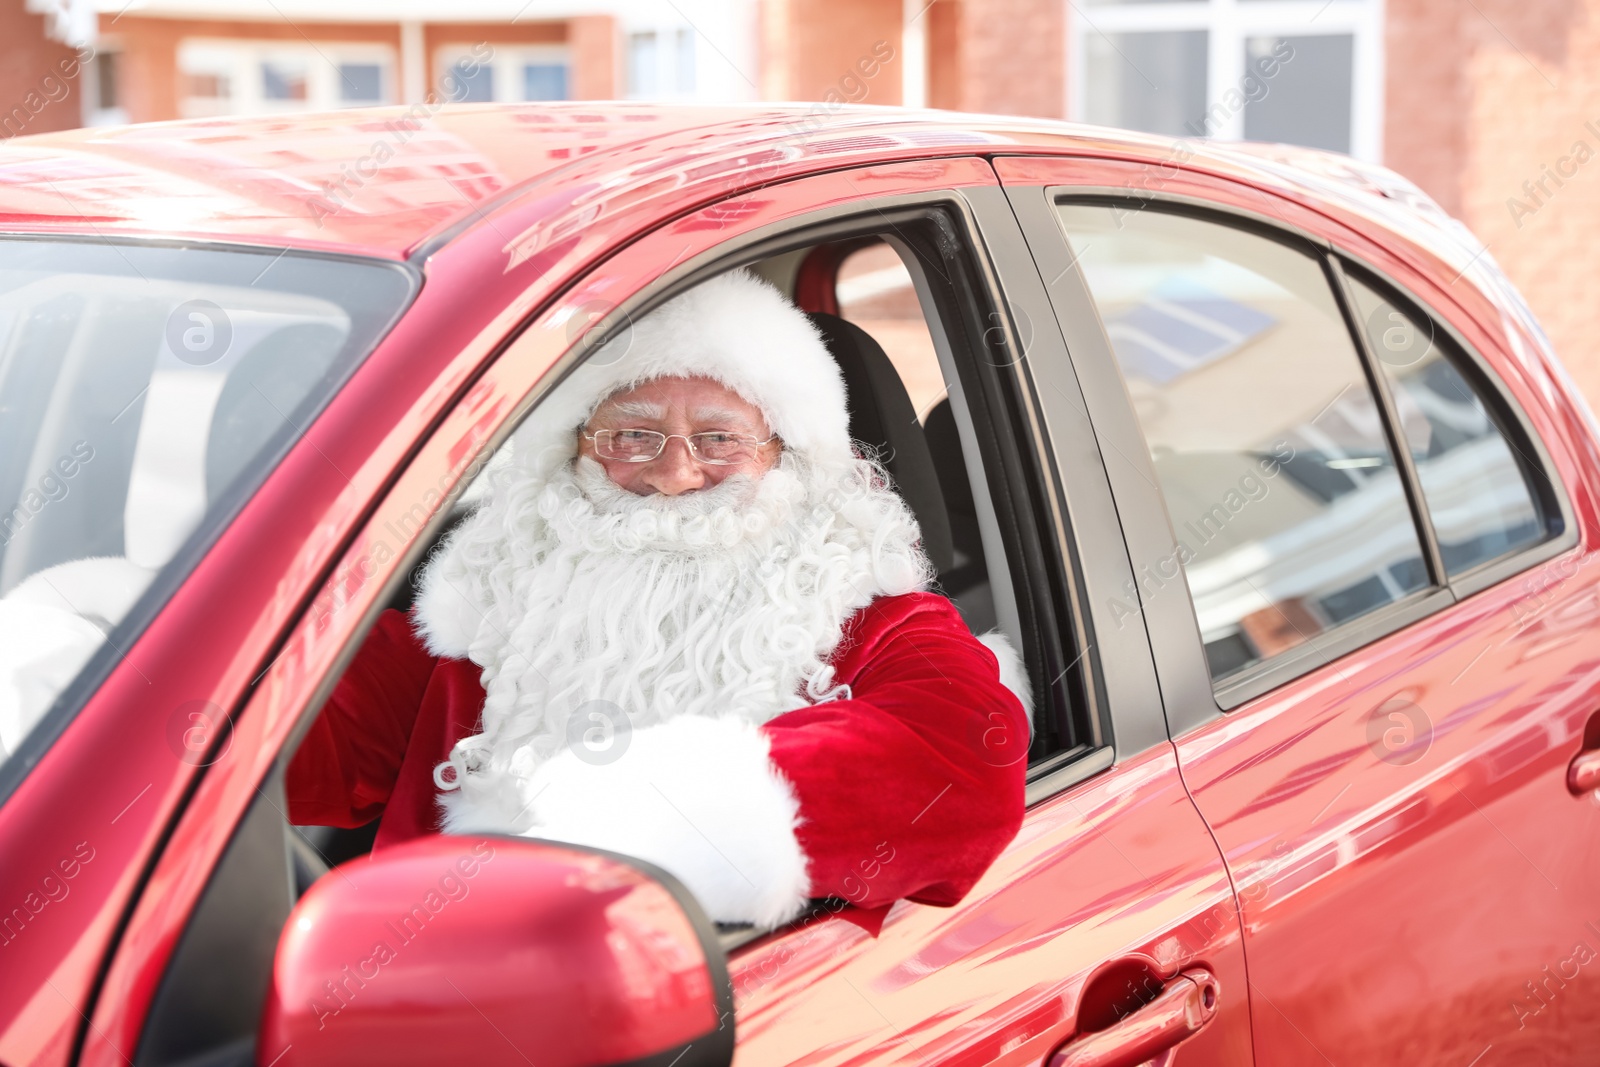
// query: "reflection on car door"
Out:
[1417,883]
[1118,870]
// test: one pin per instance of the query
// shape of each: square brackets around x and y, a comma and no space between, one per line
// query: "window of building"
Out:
[1289,510]
[102,89]
[1305,72]
[284,79]
[642,64]
[105,65]
[508,74]
[685,60]
[544,81]
[245,77]
[661,63]
[469,83]
[361,83]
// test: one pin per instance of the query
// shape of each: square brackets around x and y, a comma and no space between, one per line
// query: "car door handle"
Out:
[1583,773]
[1181,1009]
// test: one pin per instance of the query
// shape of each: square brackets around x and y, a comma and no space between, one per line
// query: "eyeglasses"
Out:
[716,447]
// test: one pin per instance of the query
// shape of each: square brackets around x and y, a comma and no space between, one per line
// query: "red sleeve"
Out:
[915,784]
[345,769]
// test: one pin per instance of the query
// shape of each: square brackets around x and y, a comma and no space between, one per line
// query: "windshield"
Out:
[144,393]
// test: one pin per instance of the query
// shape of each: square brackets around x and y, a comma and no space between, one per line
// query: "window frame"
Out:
[1228,24]
[1170,622]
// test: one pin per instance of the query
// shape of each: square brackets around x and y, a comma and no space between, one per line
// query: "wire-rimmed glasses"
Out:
[718,448]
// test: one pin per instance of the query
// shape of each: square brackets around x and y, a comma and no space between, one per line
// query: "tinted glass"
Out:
[1290,515]
[1150,81]
[283,80]
[360,82]
[1308,97]
[1477,494]
[544,81]
[473,84]
[142,392]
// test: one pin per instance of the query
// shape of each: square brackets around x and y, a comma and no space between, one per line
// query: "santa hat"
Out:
[734,329]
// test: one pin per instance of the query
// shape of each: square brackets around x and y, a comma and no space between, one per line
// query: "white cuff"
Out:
[696,796]
[1013,672]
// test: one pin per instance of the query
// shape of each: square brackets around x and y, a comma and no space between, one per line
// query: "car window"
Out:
[1290,516]
[875,291]
[141,389]
[1478,496]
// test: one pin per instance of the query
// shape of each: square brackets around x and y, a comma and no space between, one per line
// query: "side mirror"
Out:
[497,950]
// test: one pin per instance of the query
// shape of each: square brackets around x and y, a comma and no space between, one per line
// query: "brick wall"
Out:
[595,48]
[833,51]
[1488,105]
[35,97]
[1003,57]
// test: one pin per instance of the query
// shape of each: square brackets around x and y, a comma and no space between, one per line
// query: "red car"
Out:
[1253,453]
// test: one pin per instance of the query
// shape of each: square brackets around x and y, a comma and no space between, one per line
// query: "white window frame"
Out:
[668,77]
[507,62]
[89,83]
[241,61]
[1229,23]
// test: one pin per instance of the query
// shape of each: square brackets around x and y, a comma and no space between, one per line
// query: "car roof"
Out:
[390,181]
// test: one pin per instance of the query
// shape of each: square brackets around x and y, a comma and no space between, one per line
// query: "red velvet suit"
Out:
[909,788]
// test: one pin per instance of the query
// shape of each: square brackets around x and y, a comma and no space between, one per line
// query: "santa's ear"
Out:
[1013,672]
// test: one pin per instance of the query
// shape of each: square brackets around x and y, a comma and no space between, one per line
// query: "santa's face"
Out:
[679,408]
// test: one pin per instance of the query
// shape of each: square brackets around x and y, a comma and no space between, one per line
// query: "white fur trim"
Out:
[696,796]
[446,615]
[735,329]
[1013,673]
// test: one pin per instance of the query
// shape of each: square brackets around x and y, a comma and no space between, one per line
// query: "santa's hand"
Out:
[698,797]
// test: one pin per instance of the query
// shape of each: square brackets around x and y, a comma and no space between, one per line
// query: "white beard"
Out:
[726,602]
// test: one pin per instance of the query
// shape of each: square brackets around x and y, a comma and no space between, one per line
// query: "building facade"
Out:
[1491,106]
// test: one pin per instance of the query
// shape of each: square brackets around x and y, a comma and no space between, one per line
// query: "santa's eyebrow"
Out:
[637,409]
[723,415]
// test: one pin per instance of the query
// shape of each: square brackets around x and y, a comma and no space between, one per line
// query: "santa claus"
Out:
[689,623]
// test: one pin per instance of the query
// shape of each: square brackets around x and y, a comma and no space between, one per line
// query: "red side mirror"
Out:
[493,950]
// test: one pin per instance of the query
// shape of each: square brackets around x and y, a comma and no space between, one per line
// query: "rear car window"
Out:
[145,391]
[1478,494]
[1290,512]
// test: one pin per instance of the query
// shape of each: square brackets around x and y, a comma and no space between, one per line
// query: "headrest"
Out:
[882,416]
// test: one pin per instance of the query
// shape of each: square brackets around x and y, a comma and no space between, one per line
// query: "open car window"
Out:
[881,333]
[145,391]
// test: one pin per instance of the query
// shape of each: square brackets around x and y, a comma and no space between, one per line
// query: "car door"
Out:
[1353,516]
[1109,916]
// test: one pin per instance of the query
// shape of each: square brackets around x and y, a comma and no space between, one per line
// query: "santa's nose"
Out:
[675,470]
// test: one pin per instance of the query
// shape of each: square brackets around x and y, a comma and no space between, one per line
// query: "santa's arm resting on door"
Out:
[685,537]
[910,787]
